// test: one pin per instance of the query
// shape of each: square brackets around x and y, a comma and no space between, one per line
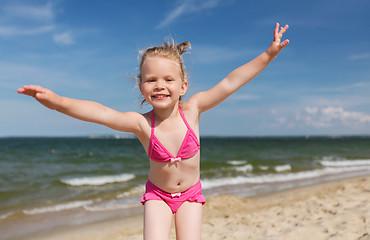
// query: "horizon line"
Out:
[132,136]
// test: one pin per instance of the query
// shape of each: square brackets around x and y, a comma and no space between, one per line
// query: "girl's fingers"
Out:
[276,32]
[20,90]
[283,44]
[277,27]
[39,95]
[34,88]
[283,29]
[31,90]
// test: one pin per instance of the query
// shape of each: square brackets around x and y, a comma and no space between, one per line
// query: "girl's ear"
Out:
[140,88]
[184,88]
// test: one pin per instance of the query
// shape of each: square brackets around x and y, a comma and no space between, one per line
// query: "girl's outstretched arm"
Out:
[240,76]
[85,110]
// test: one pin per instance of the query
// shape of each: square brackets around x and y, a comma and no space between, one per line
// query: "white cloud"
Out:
[187,7]
[19,19]
[19,31]
[281,120]
[243,97]
[331,116]
[37,13]
[317,119]
[177,12]
[339,113]
[64,38]
[14,75]
[312,110]
[26,19]
[345,88]
[361,56]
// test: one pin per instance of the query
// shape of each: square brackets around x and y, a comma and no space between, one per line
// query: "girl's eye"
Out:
[151,80]
[169,80]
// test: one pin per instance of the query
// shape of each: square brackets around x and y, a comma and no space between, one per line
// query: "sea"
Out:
[47,175]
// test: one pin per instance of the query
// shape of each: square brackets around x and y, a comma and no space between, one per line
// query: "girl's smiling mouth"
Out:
[160,96]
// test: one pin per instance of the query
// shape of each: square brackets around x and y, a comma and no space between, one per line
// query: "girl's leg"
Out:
[188,221]
[157,220]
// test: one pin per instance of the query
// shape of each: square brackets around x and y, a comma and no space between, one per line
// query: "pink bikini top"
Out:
[189,147]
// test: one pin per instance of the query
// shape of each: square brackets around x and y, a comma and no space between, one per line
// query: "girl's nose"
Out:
[160,84]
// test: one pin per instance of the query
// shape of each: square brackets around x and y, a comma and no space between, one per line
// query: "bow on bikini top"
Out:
[189,147]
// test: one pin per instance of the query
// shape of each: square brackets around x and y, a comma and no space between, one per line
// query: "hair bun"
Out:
[182,47]
[171,45]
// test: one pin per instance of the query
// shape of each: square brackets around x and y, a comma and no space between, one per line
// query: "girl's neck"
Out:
[162,114]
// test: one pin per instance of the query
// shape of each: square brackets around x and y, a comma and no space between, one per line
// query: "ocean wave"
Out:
[283,168]
[113,204]
[345,163]
[135,191]
[97,180]
[115,136]
[6,215]
[245,168]
[58,208]
[263,168]
[280,177]
[236,162]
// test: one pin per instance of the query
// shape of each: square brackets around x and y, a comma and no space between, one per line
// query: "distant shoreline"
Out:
[132,136]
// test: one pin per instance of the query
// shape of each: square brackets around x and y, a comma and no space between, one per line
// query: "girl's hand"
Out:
[46,97]
[277,45]
[88,111]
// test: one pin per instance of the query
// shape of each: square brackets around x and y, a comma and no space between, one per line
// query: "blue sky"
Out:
[318,85]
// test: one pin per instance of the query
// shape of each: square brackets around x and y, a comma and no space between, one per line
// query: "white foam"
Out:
[236,162]
[114,204]
[246,168]
[331,158]
[135,191]
[97,180]
[6,215]
[283,168]
[264,168]
[281,177]
[58,208]
[218,182]
[345,163]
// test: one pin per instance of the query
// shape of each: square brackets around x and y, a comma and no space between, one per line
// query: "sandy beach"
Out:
[332,210]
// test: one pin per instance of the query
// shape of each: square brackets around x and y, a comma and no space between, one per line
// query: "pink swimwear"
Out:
[189,147]
[157,152]
[174,200]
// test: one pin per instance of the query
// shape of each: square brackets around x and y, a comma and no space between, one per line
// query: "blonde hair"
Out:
[170,50]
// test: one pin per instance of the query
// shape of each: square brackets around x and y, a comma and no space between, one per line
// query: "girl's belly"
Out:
[175,177]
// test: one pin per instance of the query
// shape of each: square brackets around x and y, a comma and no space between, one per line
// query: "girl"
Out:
[169,133]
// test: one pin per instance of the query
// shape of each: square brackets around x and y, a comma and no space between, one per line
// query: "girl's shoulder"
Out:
[143,121]
[191,112]
[144,118]
[190,107]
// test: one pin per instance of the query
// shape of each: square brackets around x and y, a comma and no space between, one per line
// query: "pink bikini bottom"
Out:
[173,200]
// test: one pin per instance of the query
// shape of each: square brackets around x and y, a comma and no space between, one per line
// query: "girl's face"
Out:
[161,82]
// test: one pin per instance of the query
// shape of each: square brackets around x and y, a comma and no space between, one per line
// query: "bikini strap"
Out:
[184,119]
[182,116]
[153,121]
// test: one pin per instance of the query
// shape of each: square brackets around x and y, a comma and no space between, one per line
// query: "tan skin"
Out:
[162,85]
[161,77]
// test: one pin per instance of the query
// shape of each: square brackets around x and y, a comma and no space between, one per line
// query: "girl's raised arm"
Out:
[240,76]
[85,110]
